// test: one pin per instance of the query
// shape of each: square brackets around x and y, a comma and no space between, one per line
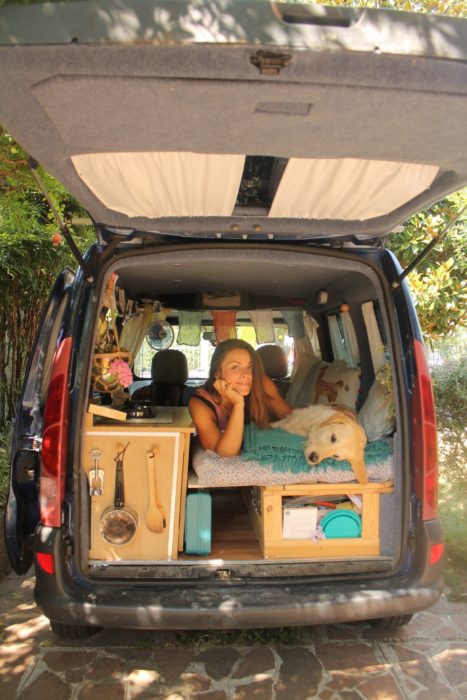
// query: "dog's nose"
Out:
[313,457]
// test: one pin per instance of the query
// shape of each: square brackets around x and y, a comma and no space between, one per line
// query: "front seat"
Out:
[275,365]
[169,373]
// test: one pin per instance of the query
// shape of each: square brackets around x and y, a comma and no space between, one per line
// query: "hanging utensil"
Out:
[119,523]
[96,475]
[155,452]
[154,520]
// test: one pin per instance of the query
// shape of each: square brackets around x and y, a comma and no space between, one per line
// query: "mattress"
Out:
[215,471]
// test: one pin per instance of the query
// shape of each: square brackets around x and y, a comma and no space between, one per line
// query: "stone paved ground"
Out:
[425,660]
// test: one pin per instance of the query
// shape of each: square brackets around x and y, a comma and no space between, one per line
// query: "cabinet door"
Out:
[145,545]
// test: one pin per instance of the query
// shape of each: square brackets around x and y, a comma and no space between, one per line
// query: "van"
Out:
[243,165]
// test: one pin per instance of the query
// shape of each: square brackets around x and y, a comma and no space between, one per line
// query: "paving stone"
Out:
[8,687]
[172,662]
[71,663]
[416,666]
[46,685]
[453,663]
[260,690]
[425,624]
[258,660]
[211,695]
[195,682]
[134,657]
[140,680]
[101,691]
[347,657]
[381,688]
[342,681]
[299,674]
[106,667]
[219,661]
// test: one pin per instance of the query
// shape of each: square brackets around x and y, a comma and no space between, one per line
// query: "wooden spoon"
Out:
[154,519]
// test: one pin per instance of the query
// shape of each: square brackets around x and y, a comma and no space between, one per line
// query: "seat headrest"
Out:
[169,367]
[274,361]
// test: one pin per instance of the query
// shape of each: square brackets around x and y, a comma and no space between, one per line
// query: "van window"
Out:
[199,356]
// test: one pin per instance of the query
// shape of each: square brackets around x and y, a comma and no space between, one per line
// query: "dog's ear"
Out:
[359,469]
[334,420]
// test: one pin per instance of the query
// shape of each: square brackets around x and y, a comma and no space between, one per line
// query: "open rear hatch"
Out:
[165,117]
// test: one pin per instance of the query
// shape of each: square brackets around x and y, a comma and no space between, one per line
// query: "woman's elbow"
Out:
[226,451]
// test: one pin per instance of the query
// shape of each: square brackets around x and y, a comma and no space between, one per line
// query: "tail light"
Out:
[55,438]
[425,441]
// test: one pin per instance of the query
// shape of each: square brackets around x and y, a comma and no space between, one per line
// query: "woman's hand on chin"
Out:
[224,389]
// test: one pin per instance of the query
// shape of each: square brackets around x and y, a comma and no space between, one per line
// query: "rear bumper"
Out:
[206,605]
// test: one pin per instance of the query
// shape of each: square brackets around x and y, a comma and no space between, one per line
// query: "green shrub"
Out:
[450,389]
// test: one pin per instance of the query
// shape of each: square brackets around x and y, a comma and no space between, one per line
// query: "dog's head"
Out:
[340,437]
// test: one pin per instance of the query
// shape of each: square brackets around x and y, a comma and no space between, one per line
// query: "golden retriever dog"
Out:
[331,431]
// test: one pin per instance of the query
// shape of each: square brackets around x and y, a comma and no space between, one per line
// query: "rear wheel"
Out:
[67,631]
[391,623]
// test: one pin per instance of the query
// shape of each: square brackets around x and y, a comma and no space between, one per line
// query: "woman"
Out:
[236,392]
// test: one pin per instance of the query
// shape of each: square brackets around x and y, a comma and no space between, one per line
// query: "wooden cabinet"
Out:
[169,443]
[265,509]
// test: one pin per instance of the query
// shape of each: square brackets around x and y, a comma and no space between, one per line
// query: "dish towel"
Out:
[224,324]
[294,321]
[262,321]
[189,327]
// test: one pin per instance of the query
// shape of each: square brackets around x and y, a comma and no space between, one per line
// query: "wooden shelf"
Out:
[266,516]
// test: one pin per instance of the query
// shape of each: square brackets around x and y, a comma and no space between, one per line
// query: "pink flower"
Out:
[121,370]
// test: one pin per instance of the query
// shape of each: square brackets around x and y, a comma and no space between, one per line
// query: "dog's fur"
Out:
[331,431]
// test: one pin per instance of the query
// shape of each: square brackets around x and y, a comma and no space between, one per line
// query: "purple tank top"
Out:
[222,416]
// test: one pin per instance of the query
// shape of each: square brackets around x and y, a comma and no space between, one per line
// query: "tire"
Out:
[68,631]
[391,623]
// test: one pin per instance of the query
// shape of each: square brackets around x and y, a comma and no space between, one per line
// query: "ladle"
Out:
[154,518]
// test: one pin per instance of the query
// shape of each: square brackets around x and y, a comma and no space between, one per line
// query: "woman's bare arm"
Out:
[227,443]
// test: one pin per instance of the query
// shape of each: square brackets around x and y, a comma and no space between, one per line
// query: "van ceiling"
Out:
[256,272]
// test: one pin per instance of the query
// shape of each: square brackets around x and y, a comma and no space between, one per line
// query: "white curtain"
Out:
[311,332]
[307,356]
[135,329]
[350,338]
[374,336]
[347,188]
[163,184]
[338,347]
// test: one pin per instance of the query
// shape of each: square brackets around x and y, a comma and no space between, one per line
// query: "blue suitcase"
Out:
[198,523]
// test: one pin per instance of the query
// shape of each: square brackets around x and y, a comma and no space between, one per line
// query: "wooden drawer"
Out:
[265,507]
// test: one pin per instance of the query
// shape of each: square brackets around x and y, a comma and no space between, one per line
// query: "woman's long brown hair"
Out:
[257,402]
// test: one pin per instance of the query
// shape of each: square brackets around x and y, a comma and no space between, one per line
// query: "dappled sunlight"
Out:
[14,660]
[25,630]
[140,680]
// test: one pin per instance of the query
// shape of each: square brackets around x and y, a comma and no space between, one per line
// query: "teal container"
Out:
[198,523]
[341,523]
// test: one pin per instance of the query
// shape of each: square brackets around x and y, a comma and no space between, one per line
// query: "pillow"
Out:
[335,383]
[377,415]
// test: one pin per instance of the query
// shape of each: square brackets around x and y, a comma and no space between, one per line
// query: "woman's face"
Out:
[237,370]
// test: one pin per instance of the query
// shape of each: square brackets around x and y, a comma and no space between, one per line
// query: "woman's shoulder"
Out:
[202,397]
